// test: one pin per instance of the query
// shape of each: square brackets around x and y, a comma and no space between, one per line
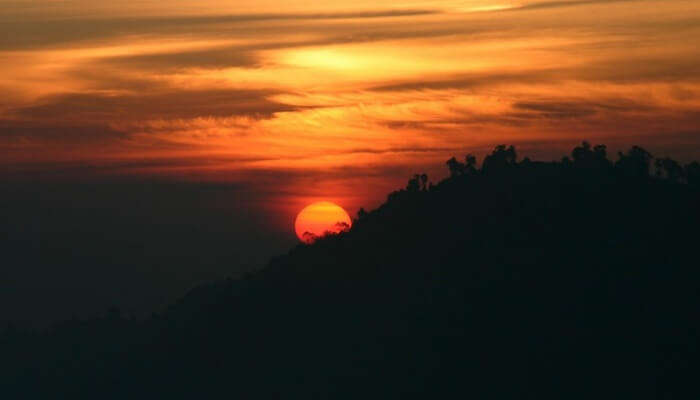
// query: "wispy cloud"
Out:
[342,86]
[566,3]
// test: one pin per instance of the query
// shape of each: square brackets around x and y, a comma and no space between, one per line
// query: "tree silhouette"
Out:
[470,162]
[342,226]
[669,168]
[361,213]
[582,154]
[600,153]
[413,184]
[590,158]
[635,163]
[501,159]
[566,162]
[692,173]
[456,168]
[309,237]
[424,182]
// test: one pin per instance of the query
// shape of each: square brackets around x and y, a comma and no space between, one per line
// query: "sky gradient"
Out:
[229,90]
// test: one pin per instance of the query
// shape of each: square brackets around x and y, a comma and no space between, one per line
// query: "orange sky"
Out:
[341,99]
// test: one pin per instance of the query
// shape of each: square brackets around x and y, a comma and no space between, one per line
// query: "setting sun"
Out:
[320,218]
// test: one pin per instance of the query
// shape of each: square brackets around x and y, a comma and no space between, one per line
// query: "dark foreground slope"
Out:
[576,279]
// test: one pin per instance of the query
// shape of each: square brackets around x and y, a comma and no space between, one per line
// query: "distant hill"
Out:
[519,279]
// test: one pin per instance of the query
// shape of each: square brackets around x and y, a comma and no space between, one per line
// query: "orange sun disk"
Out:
[317,219]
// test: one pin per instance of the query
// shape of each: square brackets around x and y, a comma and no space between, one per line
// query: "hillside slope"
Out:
[575,279]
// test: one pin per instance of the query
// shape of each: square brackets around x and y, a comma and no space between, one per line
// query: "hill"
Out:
[519,279]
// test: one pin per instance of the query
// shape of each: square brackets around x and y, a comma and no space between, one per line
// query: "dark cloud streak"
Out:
[176,104]
[18,34]
[559,4]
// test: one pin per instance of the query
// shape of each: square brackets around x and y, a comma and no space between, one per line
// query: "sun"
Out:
[320,218]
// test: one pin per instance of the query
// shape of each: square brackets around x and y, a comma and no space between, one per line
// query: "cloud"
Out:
[165,119]
[28,132]
[670,68]
[225,57]
[577,109]
[178,104]
[472,80]
[247,55]
[344,84]
[18,33]
[413,149]
[558,4]
[630,70]
[555,110]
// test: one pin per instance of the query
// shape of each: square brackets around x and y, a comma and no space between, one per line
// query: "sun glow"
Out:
[319,219]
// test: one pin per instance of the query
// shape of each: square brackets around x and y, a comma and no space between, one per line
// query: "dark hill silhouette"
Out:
[522,279]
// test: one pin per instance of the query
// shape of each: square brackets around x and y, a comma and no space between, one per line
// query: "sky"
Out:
[281,103]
